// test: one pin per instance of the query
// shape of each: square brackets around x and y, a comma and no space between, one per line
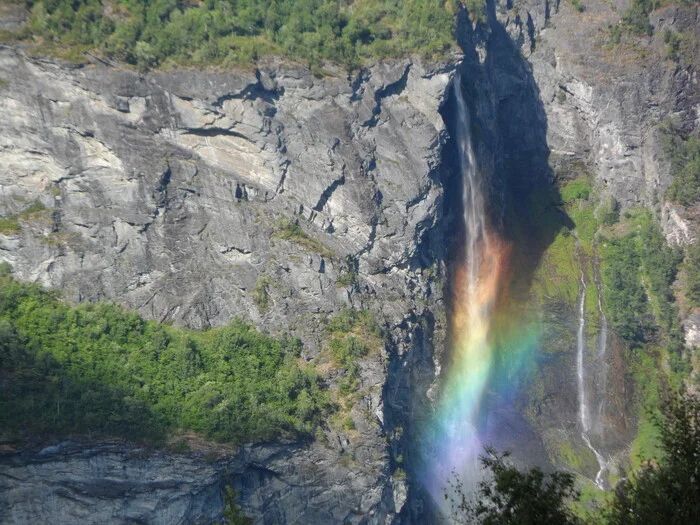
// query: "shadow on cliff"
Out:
[509,136]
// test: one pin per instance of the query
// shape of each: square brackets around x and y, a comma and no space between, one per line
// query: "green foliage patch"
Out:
[99,369]
[692,274]
[352,334]
[11,223]
[578,188]
[684,154]
[261,293]
[151,33]
[665,489]
[638,266]
[291,231]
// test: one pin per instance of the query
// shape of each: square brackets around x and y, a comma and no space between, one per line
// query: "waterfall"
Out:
[472,199]
[454,443]
[583,410]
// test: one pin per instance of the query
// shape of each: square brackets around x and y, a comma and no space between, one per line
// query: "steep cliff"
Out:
[175,194]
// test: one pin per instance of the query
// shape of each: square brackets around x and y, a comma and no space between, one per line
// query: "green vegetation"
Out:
[261,294]
[291,231]
[560,272]
[154,33]
[684,154]
[660,265]
[352,334]
[579,188]
[232,513]
[635,20]
[510,496]
[663,490]
[647,377]
[624,294]
[609,211]
[692,274]
[637,265]
[98,369]
[346,278]
[673,43]
[477,10]
[578,6]
[11,223]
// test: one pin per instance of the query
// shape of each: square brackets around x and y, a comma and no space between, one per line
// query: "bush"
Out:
[510,496]
[291,231]
[635,20]
[684,154]
[576,189]
[692,273]
[641,257]
[477,10]
[666,490]
[673,41]
[352,334]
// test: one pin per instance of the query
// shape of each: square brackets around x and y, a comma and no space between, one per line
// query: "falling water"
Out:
[476,283]
[583,412]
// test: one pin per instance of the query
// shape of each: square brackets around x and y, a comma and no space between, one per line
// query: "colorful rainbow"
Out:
[491,340]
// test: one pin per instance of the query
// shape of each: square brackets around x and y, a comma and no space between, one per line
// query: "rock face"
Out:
[61,484]
[164,189]
[173,193]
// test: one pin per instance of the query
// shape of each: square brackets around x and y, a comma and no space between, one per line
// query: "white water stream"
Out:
[583,410]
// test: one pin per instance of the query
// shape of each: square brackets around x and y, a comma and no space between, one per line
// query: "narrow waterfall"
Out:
[583,409]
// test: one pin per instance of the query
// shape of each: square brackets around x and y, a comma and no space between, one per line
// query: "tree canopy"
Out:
[152,33]
[96,368]
[665,490]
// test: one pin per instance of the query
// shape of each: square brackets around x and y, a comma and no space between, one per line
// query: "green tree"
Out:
[692,272]
[509,496]
[666,489]
[232,513]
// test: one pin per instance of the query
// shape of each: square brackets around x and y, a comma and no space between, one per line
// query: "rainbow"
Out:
[490,341]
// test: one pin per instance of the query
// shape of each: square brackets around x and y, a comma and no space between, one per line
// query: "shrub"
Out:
[577,189]
[291,231]
[261,294]
[684,154]
[692,272]
[352,334]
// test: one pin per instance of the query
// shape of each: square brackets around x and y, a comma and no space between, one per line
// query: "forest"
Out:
[97,369]
[166,33]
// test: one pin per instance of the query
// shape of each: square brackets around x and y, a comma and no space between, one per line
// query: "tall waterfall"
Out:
[583,404]
[477,280]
